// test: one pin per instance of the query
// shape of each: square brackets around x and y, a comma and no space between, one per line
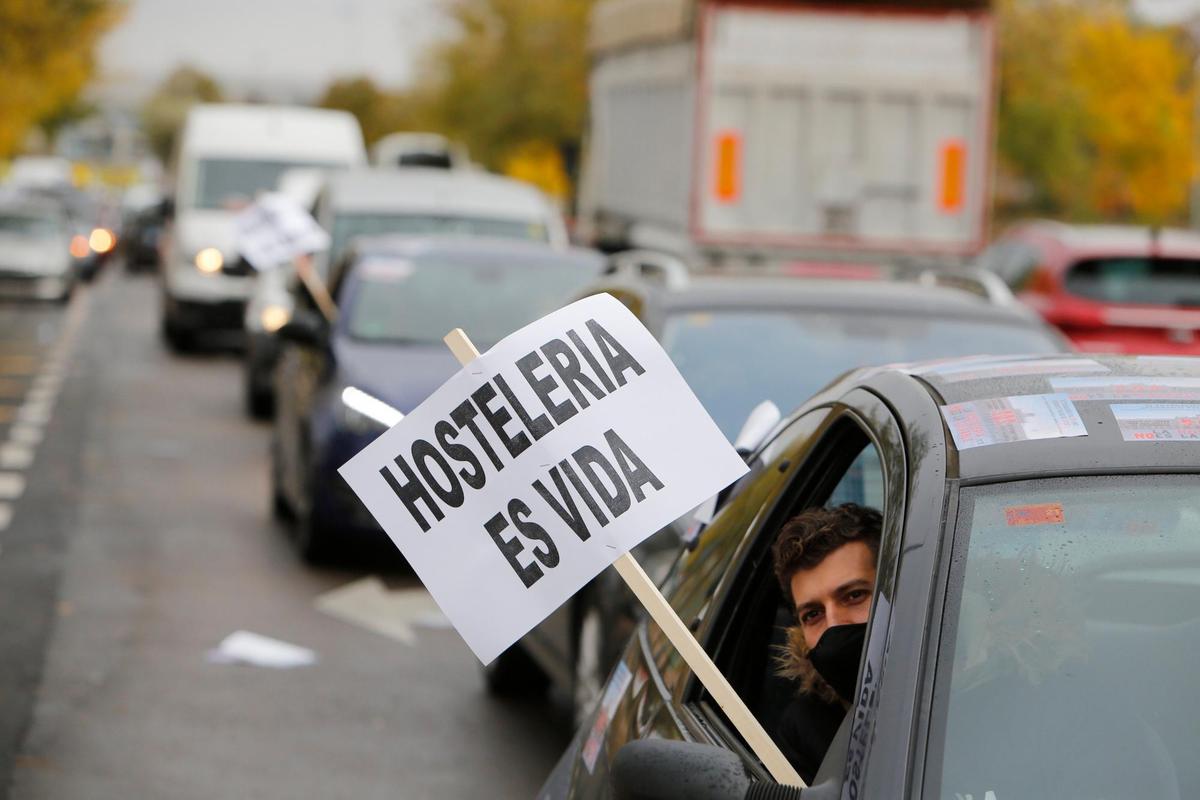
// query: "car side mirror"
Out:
[661,769]
[758,425]
[305,328]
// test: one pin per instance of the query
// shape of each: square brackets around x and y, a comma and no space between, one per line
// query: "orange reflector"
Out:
[1039,514]
[953,165]
[728,173]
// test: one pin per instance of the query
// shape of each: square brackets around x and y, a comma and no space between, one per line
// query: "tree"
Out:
[379,112]
[164,112]
[1095,119]
[513,80]
[47,51]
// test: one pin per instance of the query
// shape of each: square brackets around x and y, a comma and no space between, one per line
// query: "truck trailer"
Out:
[738,130]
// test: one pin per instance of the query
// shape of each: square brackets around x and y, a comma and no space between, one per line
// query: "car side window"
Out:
[694,577]
[749,637]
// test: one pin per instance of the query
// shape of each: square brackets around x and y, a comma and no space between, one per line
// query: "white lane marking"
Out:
[25,433]
[369,604]
[12,485]
[6,515]
[42,394]
[36,413]
[15,456]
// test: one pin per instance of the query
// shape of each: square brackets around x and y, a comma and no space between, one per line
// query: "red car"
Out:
[1115,289]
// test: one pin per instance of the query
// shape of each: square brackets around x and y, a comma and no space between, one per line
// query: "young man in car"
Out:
[825,562]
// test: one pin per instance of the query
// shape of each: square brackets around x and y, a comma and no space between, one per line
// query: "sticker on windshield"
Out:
[1006,368]
[620,681]
[1012,419]
[1035,514]
[1128,388]
[1158,422]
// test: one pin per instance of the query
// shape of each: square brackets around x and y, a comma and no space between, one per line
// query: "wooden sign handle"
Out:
[316,287]
[668,621]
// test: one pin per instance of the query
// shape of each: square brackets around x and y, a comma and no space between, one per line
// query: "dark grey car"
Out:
[739,340]
[1036,610]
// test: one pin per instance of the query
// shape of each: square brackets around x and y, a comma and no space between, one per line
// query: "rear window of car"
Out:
[417,301]
[733,360]
[346,227]
[1067,664]
[1137,280]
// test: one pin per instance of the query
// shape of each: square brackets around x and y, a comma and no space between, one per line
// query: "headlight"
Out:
[209,260]
[359,412]
[274,317]
[102,240]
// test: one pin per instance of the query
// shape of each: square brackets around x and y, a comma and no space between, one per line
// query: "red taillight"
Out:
[79,246]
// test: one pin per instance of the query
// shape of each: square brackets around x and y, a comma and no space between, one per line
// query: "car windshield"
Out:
[420,301]
[29,226]
[347,226]
[733,360]
[229,183]
[1067,662]
[1144,281]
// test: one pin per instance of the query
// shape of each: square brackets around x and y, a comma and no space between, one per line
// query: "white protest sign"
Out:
[537,465]
[276,229]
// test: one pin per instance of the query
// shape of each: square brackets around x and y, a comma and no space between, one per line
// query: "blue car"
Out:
[340,385]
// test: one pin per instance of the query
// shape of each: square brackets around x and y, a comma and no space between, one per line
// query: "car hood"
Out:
[197,230]
[401,375]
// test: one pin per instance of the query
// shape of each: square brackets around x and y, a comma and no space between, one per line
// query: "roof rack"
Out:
[649,265]
[981,282]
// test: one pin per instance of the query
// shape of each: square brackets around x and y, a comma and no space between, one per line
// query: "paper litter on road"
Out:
[244,647]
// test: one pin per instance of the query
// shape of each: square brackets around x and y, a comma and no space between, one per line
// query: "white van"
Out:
[226,155]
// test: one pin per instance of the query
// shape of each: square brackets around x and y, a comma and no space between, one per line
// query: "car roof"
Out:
[417,189]
[238,130]
[1092,383]
[1113,239]
[708,291]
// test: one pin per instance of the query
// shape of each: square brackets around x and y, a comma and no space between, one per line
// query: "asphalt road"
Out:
[135,536]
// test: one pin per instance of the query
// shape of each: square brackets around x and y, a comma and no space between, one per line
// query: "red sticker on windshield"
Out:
[1040,514]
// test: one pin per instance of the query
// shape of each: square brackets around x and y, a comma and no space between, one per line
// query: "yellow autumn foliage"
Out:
[46,56]
[1096,113]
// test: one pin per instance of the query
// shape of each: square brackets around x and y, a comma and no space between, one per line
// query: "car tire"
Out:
[312,539]
[281,509]
[311,533]
[514,673]
[177,338]
[259,404]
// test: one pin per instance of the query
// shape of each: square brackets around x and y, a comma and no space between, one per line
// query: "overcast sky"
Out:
[293,47]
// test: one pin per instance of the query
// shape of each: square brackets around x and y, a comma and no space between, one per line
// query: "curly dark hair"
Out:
[805,539]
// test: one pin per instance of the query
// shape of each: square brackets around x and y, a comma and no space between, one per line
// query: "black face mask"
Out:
[835,658]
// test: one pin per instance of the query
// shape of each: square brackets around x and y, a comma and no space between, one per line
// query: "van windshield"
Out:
[230,183]
[1067,658]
